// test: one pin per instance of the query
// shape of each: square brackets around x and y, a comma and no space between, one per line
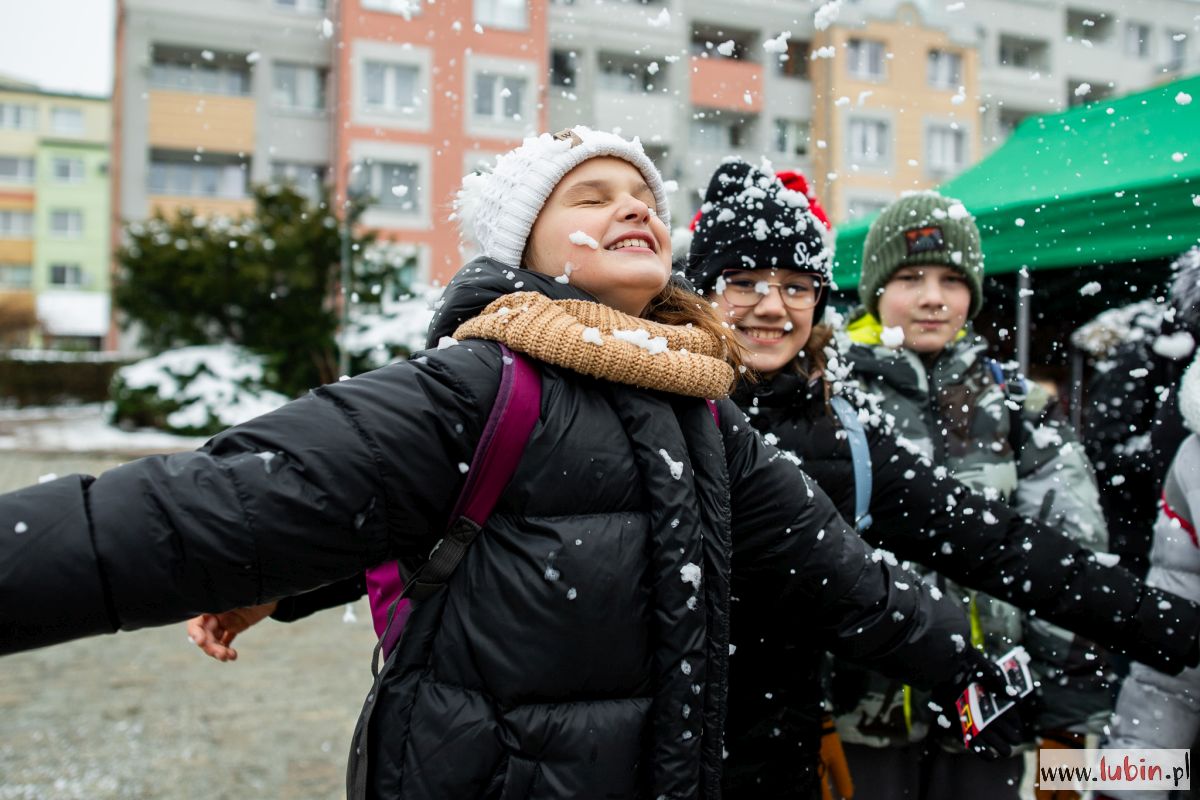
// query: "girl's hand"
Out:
[213,633]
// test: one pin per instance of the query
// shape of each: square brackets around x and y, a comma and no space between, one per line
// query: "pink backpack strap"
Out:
[514,413]
[716,412]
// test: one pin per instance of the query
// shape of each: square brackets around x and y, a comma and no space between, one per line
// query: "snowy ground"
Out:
[81,429]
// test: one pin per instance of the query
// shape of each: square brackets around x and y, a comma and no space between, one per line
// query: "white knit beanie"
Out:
[496,210]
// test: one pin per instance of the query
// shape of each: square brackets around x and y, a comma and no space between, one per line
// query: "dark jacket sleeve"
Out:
[312,493]
[795,557]
[924,515]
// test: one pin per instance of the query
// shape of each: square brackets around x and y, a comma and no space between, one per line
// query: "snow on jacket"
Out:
[920,514]
[1155,710]
[547,666]
[956,414]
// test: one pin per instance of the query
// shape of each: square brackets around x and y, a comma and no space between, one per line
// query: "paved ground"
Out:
[146,715]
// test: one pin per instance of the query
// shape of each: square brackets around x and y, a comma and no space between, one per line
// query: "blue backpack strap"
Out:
[1015,392]
[860,454]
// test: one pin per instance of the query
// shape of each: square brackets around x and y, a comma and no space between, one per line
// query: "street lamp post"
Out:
[347,272]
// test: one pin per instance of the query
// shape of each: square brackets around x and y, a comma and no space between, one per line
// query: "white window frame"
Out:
[420,218]
[1176,48]
[56,120]
[74,216]
[189,179]
[500,14]
[8,269]
[503,108]
[498,124]
[18,117]
[25,171]
[75,173]
[859,60]
[300,6]
[876,135]
[308,179]
[944,68]
[793,130]
[388,115]
[1137,40]
[405,8]
[74,269]
[309,87]
[16,224]
[937,134]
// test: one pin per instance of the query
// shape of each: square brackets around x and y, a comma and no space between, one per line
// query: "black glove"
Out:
[1003,733]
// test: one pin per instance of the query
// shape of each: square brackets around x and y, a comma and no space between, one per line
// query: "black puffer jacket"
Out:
[569,655]
[774,735]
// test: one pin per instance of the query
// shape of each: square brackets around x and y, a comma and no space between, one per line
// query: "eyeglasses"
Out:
[741,289]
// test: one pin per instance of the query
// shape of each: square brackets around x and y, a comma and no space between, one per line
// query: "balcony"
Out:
[170,205]
[727,84]
[188,120]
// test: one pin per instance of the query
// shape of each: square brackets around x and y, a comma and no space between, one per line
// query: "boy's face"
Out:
[928,303]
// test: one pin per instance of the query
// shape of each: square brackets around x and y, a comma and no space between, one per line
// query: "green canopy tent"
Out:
[1110,182]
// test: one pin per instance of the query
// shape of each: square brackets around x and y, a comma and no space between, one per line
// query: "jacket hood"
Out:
[479,283]
[1189,397]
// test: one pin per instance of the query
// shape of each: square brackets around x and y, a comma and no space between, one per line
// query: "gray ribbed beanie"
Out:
[921,229]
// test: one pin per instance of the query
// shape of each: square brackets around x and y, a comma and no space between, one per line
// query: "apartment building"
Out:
[54,193]
[425,93]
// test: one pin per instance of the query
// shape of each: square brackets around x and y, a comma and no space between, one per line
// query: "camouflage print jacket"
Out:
[957,414]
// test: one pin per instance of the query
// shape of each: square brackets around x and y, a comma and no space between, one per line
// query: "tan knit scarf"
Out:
[594,339]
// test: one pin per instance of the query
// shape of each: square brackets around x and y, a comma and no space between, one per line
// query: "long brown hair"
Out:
[679,305]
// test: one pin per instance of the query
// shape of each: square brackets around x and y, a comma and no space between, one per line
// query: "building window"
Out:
[18,117]
[66,224]
[298,87]
[16,170]
[16,224]
[405,8]
[499,97]
[944,69]
[66,275]
[16,276]
[627,73]
[507,14]
[794,63]
[712,41]
[392,185]
[946,150]
[205,72]
[564,67]
[176,176]
[67,170]
[1023,53]
[1092,26]
[1137,40]
[307,179]
[390,87]
[711,133]
[869,141]
[864,58]
[309,6]
[791,137]
[67,121]
[1176,50]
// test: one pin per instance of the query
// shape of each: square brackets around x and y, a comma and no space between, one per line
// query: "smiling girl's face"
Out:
[604,201]
[772,332]
[929,303]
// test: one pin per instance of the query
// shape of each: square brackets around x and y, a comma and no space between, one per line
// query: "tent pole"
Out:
[1023,303]
[1076,387]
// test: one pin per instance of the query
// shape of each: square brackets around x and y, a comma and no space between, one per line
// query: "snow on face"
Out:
[583,240]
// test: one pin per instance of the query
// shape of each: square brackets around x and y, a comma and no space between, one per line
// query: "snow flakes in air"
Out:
[1178,157]
[958,211]
[327,28]
[348,615]
[583,240]
[1117,480]
[989,518]
[842,101]
[892,337]
[827,14]
[592,336]
[1164,605]
[748,98]
[778,45]
[253,57]
[676,467]
[1044,436]
[690,573]
[661,21]
[463,467]
[726,48]
[1183,98]
[1090,288]
[642,338]
[652,68]
[823,52]
[20,528]
[1020,223]
[1107,559]
[685,668]
[1175,346]
[571,593]
[1083,89]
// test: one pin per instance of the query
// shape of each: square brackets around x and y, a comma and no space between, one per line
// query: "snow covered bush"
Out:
[393,330]
[194,391]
